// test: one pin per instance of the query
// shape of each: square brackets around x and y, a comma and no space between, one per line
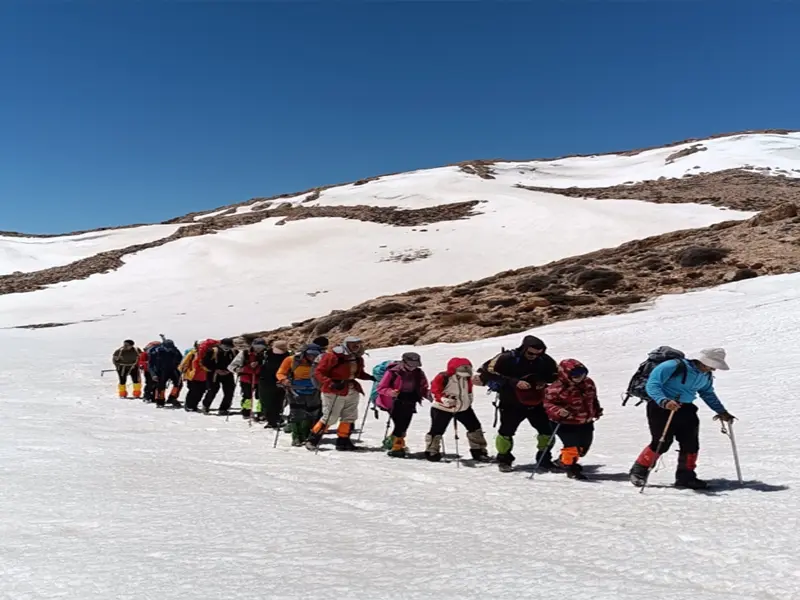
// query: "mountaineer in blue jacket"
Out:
[672,387]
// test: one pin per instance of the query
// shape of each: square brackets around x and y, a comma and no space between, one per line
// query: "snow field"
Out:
[28,254]
[123,501]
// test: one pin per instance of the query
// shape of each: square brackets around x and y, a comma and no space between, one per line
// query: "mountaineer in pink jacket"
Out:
[402,387]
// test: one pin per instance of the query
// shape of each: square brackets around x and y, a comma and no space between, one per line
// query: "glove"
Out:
[253,365]
[725,417]
[563,413]
[671,405]
[598,413]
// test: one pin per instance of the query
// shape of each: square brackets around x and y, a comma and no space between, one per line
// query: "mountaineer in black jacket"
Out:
[217,362]
[520,377]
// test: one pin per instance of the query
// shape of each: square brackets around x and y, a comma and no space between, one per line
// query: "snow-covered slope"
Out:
[103,498]
[110,499]
[27,254]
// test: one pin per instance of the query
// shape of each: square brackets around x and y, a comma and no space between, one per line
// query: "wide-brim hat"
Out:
[712,357]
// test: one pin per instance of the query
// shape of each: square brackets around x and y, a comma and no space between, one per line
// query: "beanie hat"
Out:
[531,341]
[321,341]
[712,357]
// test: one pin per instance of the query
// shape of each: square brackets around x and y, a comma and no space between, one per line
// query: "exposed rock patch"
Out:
[734,188]
[104,262]
[685,152]
[603,282]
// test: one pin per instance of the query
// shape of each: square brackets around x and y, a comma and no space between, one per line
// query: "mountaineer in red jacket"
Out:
[336,373]
[572,403]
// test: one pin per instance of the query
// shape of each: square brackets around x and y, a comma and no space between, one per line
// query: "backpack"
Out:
[203,349]
[305,387]
[637,387]
[378,372]
[491,385]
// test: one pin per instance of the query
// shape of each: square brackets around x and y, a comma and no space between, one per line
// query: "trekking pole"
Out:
[550,443]
[104,371]
[455,433]
[332,411]
[364,420]
[386,431]
[279,429]
[729,432]
[658,449]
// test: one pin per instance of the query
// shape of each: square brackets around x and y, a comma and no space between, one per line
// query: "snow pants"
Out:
[304,410]
[512,414]
[685,428]
[228,385]
[165,379]
[577,440]
[249,397]
[402,412]
[272,397]
[149,387]
[340,408]
[195,394]
[125,371]
[440,419]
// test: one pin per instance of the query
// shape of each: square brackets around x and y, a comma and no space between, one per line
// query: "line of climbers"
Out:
[321,388]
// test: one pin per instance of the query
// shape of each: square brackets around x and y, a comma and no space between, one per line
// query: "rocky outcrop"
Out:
[603,282]
[104,262]
[733,188]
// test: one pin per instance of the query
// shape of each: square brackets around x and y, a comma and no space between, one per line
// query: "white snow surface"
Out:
[106,498]
[27,254]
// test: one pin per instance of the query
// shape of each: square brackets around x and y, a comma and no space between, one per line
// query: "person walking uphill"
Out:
[452,398]
[572,403]
[337,373]
[247,365]
[295,375]
[272,395]
[163,362]
[520,377]
[126,362]
[672,388]
[217,362]
[401,388]
[195,377]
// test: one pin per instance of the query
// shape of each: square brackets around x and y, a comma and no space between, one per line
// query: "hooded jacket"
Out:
[338,370]
[393,380]
[509,368]
[190,369]
[579,399]
[270,363]
[218,359]
[450,392]
[164,360]
[241,365]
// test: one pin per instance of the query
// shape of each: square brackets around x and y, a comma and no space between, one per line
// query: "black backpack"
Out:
[637,387]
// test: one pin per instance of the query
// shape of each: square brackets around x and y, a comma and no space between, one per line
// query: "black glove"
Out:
[725,417]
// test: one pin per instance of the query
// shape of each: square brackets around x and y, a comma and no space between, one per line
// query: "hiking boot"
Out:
[245,413]
[297,442]
[575,471]
[547,460]
[313,441]
[638,474]
[173,402]
[688,480]
[480,455]
[504,467]
[345,443]
[206,410]
[223,413]
[399,453]
[433,456]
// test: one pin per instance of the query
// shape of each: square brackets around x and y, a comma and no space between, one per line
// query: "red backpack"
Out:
[202,350]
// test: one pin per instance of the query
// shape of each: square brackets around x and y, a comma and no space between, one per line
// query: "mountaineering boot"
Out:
[433,448]
[505,467]
[478,446]
[543,454]
[575,471]
[122,389]
[685,476]
[175,403]
[245,413]
[343,441]
[503,444]
[480,455]
[398,448]
[641,468]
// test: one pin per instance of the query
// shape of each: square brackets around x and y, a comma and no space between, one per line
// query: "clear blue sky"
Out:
[120,112]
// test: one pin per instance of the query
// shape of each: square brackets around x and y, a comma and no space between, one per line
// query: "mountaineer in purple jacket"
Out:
[672,387]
